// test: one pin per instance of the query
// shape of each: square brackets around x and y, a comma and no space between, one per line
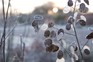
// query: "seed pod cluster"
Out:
[36,21]
[83,8]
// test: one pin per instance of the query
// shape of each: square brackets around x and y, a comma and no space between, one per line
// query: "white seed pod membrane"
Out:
[76,57]
[86,47]
[64,44]
[72,50]
[66,9]
[44,27]
[72,59]
[60,60]
[75,15]
[83,18]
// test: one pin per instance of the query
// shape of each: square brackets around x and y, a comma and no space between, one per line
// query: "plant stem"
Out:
[76,33]
[77,41]
[4,31]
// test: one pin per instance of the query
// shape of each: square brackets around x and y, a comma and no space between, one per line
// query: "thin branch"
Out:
[85,44]
[64,32]
[10,31]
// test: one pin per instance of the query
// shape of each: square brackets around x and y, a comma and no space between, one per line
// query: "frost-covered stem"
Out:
[3,35]
[76,33]
[77,41]
[5,15]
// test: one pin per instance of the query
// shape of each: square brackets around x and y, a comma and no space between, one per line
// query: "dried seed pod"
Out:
[36,28]
[60,30]
[86,10]
[52,48]
[70,3]
[52,34]
[70,20]
[75,48]
[86,51]
[82,7]
[49,49]
[90,36]
[86,1]
[60,54]
[47,33]
[50,24]
[79,1]
[38,17]
[48,42]
[68,26]
[55,48]
[82,22]
[34,23]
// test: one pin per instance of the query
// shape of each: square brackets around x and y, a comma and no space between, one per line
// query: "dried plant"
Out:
[62,48]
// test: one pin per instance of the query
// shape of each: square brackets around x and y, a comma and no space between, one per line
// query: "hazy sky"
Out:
[26,6]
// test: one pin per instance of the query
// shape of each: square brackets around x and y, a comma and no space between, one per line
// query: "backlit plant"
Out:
[54,41]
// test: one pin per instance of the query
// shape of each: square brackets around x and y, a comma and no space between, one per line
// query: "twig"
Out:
[85,44]
[10,31]
[64,32]
[76,33]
